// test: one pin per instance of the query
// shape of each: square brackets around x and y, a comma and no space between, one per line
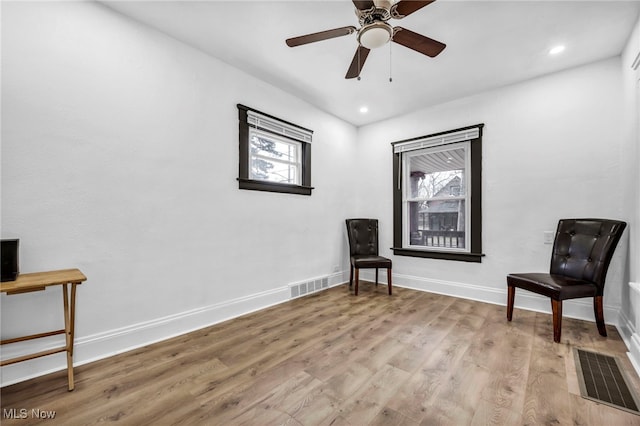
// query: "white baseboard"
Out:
[634,352]
[102,345]
[633,338]
[626,328]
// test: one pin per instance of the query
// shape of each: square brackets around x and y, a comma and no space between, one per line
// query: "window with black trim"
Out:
[437,195]
[275,155]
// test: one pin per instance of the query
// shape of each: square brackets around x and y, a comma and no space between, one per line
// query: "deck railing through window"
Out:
[428,238]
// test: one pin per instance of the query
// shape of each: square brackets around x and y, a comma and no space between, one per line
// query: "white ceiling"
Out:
[489,44]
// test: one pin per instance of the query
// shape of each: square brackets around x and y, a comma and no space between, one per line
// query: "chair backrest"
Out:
[363,236]
[583,248]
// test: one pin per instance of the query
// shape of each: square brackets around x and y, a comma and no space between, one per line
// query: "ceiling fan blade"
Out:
[418,42]
[407,7]
[322,35]
[358,62]
[363,4]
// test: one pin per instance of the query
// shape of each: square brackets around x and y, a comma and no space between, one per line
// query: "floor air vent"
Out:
[302,289]
[601,380]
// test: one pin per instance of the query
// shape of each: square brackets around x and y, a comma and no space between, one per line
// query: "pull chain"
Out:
[390,79]
[359,68]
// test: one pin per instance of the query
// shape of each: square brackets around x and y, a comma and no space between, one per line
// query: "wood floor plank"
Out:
[506,389]
[284,396]
[332,358]
[586,412]
[390,417]
[546,372]
[488,413]
[314,406]
[348,380]
[413,399]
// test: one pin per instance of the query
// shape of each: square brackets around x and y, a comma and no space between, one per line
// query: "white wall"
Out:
[553,147]
[120,157]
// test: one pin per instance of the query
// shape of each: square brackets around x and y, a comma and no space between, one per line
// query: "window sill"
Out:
[445,255]
[259,185]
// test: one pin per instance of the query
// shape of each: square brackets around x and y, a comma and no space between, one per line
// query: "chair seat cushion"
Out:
[557,287]
[370,261]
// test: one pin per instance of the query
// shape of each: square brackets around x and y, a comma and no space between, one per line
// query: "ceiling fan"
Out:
[375,31]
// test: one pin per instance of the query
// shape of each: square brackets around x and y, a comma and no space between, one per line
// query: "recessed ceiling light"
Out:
[364,109]
[557,49]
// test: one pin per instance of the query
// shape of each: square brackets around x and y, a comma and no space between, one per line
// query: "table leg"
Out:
[69,325]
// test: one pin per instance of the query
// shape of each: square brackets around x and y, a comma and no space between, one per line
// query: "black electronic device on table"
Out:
[9,255]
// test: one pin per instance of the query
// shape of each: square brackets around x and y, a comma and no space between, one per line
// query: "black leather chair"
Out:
[581,254]
[363,248]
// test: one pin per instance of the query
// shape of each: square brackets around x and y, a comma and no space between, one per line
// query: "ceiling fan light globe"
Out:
[375,35]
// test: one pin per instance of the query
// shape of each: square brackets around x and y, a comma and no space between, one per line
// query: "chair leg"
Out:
[351,276]
[556,307]
[599,312]
[357,279]
[511,296]
[389,280]
[376,277]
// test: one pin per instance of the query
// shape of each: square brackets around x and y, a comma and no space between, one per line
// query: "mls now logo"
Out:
[23,413]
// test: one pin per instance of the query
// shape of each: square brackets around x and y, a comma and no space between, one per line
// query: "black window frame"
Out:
[244,182]
[475,253]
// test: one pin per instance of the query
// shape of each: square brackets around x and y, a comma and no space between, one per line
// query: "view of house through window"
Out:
[435,197]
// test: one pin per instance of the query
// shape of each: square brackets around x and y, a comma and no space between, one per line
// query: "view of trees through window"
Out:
[274,160]
[431,185]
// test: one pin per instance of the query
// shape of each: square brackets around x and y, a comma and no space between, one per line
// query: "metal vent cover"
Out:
[601,379]
[312,286]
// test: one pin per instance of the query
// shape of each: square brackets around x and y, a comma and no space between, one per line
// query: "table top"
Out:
[39,280]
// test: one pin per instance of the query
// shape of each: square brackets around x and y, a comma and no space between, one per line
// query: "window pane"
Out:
[436,193]
[274,171]
[437,223]
[274,148]
[274,160]
[437,174]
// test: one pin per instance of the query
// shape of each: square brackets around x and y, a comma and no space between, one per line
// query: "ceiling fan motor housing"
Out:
[381,11]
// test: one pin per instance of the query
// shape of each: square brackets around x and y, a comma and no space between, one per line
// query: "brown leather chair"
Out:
[363,248]
[581,254]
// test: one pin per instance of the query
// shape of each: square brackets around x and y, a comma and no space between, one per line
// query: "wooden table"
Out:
[26,283]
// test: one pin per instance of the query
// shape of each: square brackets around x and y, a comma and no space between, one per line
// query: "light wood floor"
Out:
[335,359]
